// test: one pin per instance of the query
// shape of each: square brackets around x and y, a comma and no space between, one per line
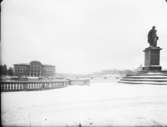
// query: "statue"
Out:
[152,37]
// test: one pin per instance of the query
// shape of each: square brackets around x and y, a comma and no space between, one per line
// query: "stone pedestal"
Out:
[152,59]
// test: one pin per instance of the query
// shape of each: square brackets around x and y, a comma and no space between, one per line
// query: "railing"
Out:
[17,85]
[31,85]
[79,82]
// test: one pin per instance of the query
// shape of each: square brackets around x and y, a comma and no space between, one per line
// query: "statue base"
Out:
[152,59]
[152,68]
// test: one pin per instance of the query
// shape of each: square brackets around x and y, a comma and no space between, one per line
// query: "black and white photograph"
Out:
[83,63]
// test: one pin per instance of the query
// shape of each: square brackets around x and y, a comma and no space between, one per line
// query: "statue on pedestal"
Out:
[152,37]
[152,53]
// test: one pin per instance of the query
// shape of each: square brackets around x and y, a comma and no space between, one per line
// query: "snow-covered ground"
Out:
[103,103]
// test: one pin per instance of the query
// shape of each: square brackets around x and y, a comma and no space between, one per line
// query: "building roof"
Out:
[21,64]
[46,65]
[35,62]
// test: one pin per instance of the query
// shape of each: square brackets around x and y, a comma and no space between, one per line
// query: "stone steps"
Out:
[146,78]
[147,83]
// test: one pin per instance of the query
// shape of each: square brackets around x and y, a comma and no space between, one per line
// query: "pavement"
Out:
[99,104]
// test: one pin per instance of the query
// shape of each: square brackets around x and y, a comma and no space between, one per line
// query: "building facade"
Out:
[48,70]
[34,69]
[21,69]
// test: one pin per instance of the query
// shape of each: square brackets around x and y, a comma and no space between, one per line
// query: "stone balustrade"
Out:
[31,85]
[38,85]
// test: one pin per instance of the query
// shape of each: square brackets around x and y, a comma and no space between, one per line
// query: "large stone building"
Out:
[21,69]
[48,70]
[35,69]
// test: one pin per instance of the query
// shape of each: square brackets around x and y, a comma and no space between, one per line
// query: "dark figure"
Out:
[152,37]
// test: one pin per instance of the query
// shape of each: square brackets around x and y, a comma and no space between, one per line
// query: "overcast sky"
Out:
[81,36]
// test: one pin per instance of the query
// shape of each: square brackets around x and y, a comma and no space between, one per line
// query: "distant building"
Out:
[21,69]
[48,70]
[34,69]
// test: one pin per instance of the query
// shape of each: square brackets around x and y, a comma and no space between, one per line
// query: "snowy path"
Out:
[97,104]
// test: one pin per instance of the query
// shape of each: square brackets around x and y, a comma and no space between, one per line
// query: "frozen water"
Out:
[103,103]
